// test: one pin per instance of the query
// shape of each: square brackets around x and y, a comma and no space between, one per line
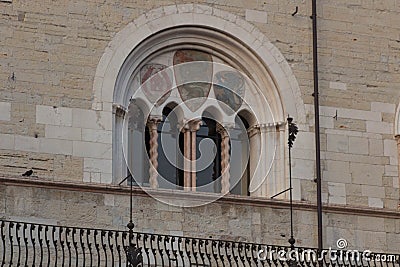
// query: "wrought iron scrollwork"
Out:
[28,244]
[134,256]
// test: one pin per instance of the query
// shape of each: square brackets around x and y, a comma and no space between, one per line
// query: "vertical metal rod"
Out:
[292,132]
[130,224]
[317,130]
[130,207]
[291,240]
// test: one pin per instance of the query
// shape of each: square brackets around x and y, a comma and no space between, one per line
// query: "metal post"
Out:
[293,130]
[317,130]
[133,253]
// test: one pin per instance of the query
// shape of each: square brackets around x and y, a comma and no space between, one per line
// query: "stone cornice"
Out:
[230,199]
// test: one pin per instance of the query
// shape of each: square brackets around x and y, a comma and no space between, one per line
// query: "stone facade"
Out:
[59,64]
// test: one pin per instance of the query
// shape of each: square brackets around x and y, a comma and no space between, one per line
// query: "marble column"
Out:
[398,155]
[225,160]
[254,135]
[118,164]
[152,124]
[194,126]
[187,182]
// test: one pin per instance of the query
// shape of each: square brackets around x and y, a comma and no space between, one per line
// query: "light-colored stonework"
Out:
[59,67]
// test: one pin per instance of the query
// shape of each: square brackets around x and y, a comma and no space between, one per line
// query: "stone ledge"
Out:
[232,199]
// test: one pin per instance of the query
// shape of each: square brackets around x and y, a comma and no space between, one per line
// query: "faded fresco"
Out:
[156,81]
[229,88]
[194,79]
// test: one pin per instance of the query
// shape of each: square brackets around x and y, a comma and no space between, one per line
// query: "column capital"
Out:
[192,125]
[265,127]
[223,130]
[153,121]
[253,130]
[119,110]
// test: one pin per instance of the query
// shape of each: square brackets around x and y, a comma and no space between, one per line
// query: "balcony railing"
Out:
[29,244]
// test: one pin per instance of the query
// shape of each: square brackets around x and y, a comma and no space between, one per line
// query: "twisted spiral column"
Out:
[225,160]
[153,153]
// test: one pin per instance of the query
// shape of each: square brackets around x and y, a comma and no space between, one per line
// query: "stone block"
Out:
[380,127]
[358,145]
[106,178]
[333,234]
[376,147]
[303,169]
[95,177]
[97,165]
[391,170]
[337,200]
[324,198]
[393,161]
[396,182]
[326,122]
[338,85]
[304,140]
[307,154]
[256,218]
[296,185]
[109,200]
[324,110]
[370,223]
[359,114]
[63,132]
[336,176]
[55,146]
[98,136]
[366,174]
[5,111]
[353,189]
[7,141]
[350,127]
[337,143]
[336,189]
[91,150]
[26,143]
[336,165]
[53,115]
[388,117]
[373,191]
[86,177]
[390,148]
[256,16]
[370,240]
[90,119]
[357,200]
[68,168]
[383,107]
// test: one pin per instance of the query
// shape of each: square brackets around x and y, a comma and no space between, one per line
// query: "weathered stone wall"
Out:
[230,218]
[49,120]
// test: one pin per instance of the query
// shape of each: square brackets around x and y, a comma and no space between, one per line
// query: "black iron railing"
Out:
[29,244]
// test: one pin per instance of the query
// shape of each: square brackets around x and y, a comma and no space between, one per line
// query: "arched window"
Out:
[190,124]
[194,93]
